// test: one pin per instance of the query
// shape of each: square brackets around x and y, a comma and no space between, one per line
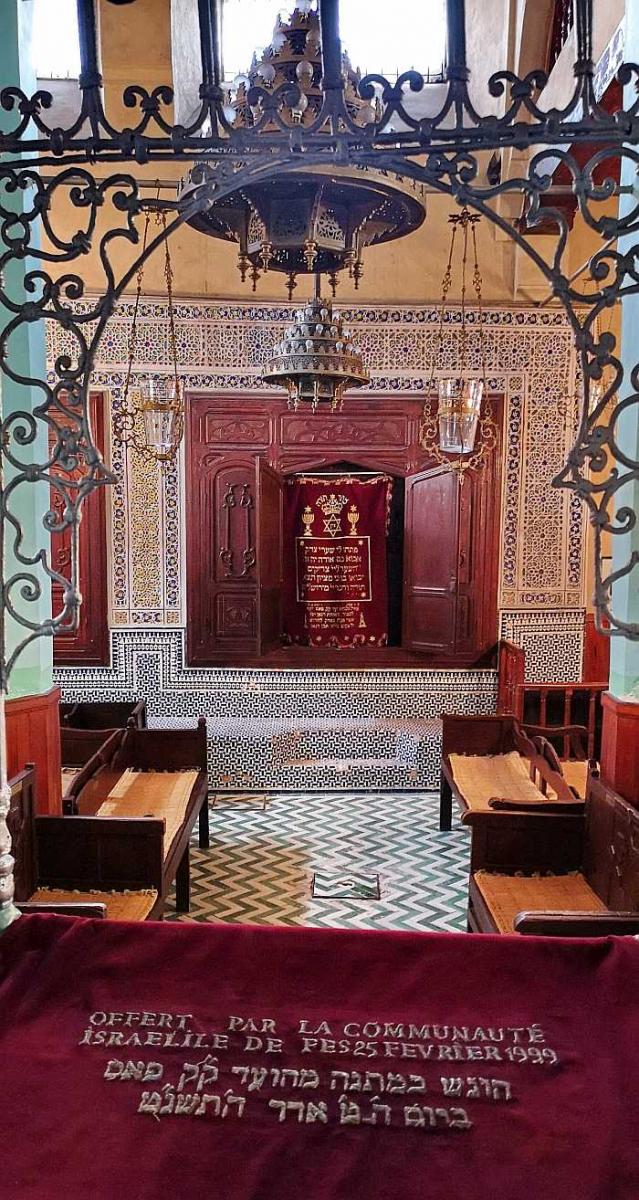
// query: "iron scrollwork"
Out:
[443,151]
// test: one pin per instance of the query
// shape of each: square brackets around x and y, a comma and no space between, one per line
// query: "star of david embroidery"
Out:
[332,525]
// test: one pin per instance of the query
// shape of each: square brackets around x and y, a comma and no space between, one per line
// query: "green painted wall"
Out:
[26,354]
[624,654]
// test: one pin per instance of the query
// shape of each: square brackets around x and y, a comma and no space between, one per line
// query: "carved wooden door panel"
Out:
[269,555]
[431,562]
[89,643]
[221,555]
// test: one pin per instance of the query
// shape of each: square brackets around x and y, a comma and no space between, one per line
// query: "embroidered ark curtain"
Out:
[335,576]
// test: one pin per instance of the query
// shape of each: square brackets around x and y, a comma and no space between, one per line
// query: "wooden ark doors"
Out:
[268,487]
[239,450]
[88,645]
[234,560]
[450,563]
[430,562]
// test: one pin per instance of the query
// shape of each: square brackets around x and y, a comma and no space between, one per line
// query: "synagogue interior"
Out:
[319,623]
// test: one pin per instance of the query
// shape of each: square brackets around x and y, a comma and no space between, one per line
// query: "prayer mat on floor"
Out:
[248,1063]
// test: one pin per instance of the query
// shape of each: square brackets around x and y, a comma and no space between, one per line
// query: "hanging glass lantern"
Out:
[161,409]
[155,407]
[458,414]
[450,435]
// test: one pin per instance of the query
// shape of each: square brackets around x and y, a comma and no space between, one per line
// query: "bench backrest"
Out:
[477,735]
[20,824]
[611,847]
[104,715]
[96,778]
[107,853]
[79,745]
[162,749]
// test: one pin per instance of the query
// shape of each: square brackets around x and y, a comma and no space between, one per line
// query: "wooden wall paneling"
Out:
[33,735]
[596,660]
[89,643]
[620,738]
[467,568]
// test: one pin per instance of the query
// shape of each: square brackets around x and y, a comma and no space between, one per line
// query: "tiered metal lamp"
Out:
[316,359]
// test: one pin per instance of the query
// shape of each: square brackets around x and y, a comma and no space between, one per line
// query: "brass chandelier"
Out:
[314,218]
[316,359]
[459,434]
[151,415]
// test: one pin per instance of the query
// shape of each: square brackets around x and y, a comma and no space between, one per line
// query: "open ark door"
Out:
[268,489]
[431,562]
[88,644]
[451,540]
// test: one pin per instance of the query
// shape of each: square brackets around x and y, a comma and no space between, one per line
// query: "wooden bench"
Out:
[84,727]
[138,772]
[106,715]
[568,874]
[84,867]
[492,760]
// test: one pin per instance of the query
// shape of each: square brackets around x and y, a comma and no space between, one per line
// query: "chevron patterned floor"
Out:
[261,862]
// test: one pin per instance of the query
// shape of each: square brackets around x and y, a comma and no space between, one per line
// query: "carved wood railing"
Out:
[562,22]
[561,704]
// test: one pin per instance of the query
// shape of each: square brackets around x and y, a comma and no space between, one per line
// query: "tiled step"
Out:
[264,754]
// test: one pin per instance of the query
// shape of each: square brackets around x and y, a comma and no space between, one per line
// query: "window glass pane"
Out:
[55,49]
[377,36]
[391,38]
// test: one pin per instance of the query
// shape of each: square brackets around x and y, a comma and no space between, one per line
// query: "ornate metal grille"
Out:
[443,152]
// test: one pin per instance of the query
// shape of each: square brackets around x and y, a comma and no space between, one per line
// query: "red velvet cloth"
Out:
[335,579]
[71,1128]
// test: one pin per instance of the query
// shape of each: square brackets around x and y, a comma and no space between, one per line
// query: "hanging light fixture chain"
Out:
[464,220]
[136,307]
[477,284]
[163,415]
[446,282]
[168,275]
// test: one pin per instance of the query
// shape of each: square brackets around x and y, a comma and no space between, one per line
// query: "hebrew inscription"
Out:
[425,1077]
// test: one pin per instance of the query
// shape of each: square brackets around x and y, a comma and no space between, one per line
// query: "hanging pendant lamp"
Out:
[316,359]
[151,416]
[450,435]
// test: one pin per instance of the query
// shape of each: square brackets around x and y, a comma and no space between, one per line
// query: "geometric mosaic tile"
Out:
[291,730]
[261,862]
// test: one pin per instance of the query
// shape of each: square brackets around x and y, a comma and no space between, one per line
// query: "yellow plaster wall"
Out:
[135,46]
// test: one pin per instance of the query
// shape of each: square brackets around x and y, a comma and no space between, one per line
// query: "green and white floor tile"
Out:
[263,861]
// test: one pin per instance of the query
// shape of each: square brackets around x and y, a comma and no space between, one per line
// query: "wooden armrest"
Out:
[503,804]
[577,736]
[83,909]
[569,924]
